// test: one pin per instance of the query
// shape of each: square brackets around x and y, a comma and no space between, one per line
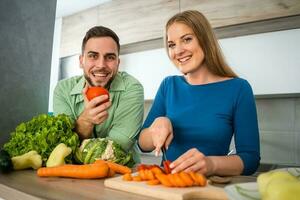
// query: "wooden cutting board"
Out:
[162,192]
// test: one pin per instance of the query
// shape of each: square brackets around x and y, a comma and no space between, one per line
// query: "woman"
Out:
[194,116]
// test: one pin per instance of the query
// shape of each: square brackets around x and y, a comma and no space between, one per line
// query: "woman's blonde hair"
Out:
[202,29]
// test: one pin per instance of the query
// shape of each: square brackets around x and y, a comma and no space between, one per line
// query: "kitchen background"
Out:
[260,40]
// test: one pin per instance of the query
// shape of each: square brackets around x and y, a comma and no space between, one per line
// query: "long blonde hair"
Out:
[214,58]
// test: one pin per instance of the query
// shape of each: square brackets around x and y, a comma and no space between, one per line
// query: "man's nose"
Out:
[100,62]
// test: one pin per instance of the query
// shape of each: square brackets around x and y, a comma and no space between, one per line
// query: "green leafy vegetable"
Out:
[42,134]
[104,149]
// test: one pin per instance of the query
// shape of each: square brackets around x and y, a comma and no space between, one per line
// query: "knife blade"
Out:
[163,150]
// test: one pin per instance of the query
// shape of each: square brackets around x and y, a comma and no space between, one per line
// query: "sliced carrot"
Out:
[156,170]
[172,180]
[178,180]
[153,182]
[127,177]
[164,179]
[186,178]
[136,178]
[75,171]
[149,174]
[201,179]
[142,174]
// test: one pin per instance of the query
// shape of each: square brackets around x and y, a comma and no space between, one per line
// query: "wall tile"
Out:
[278,147]
[276,114]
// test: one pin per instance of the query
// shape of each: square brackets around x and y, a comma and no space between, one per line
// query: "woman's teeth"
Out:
[181,60]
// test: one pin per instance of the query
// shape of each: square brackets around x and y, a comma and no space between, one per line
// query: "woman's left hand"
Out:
[193,160]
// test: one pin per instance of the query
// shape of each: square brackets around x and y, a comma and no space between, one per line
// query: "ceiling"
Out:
[69,7]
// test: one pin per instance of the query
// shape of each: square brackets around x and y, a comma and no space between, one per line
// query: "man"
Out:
[121,117]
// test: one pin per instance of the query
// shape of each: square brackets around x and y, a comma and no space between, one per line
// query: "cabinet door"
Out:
[137,21]
[74,28]
[230,12]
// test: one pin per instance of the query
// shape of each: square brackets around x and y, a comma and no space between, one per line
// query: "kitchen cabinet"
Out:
[141,22]
[74,29]
[133,22]
[223,13]
[138,20]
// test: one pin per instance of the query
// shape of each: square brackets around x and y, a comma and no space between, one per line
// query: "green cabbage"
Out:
[42,134]
[104,149]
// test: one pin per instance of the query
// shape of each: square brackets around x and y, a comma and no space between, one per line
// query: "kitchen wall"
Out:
[26,34]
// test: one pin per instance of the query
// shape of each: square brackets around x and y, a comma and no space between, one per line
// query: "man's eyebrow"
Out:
[111,54]
[92,52]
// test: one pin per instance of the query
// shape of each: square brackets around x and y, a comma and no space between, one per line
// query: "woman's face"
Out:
[184,49]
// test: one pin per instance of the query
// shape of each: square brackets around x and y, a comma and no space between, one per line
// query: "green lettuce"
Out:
[42,134]
[104,149]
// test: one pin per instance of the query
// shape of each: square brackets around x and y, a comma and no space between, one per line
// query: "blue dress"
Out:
[207,116]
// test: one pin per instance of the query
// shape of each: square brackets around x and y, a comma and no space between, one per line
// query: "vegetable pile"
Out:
[42,134]
[103,149]
[154,175]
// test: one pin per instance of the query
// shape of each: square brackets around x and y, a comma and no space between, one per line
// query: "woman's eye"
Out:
[188,39]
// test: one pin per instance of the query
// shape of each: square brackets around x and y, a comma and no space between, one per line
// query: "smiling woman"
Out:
[195,116]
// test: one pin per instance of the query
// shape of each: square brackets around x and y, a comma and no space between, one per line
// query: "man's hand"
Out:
[95,112]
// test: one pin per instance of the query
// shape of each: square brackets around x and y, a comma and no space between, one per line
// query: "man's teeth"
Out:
[100,74]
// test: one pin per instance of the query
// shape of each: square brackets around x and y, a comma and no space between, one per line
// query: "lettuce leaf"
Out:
[42,134]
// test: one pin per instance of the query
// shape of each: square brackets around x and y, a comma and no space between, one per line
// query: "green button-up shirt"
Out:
[125,116]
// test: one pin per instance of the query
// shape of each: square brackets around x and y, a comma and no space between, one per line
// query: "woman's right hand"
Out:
[162,133]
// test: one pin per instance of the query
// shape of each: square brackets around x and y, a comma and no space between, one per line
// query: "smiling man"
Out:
[118,119]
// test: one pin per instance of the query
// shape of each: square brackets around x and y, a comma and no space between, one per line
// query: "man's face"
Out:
[100,61]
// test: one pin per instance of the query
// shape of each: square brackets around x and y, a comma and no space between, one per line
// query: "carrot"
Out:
[198,179]
[149,175]
[142,174]
[163,179]
[121,169]
[172,180]
[186,178]
[153,182]
[201,179]
[156,170]
[111,173]
[136,178]
[75,171]
[127,177]
[178,180]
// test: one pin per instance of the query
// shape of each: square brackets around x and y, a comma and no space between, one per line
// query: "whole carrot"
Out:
[87,171]
[121,169]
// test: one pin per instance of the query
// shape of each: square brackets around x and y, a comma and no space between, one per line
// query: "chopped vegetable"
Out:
[28,160]
[5,162]
[58,155]
[103,149]
[42,134]
[87,171]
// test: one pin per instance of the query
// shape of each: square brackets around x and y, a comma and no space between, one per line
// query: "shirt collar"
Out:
[116,85]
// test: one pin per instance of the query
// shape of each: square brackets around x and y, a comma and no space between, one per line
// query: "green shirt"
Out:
[125,116]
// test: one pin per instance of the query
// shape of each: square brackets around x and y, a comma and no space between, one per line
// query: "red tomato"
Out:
[93,92]
[167,168]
